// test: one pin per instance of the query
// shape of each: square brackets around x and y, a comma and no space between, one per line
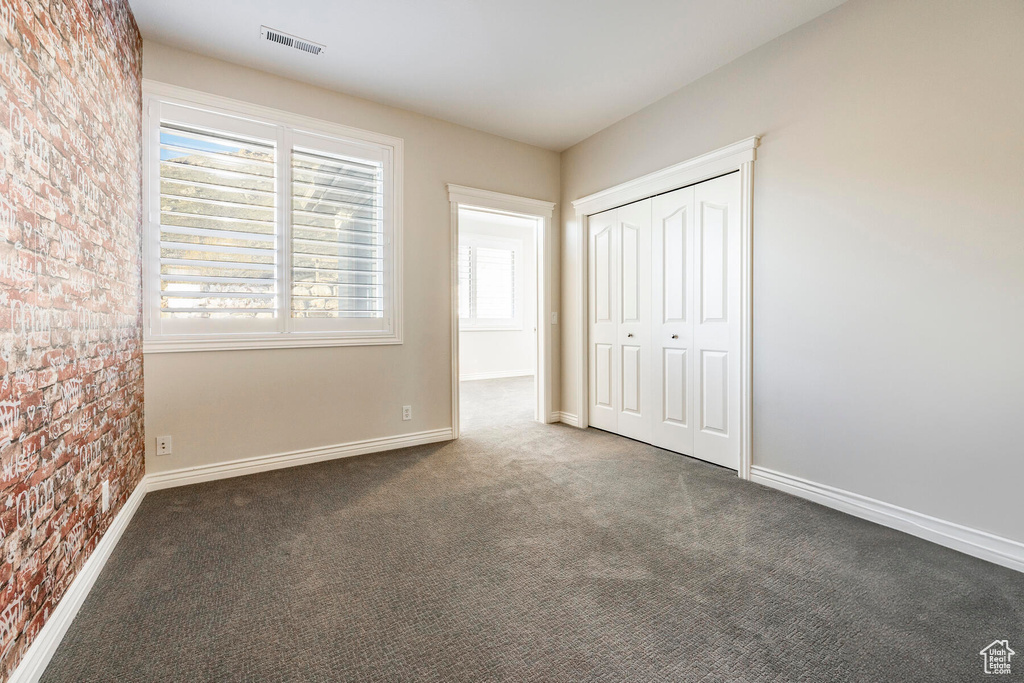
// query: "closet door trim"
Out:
[739,156]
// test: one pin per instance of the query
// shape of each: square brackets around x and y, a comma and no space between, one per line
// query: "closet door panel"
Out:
[631,379]
[674,382]
[672,323]
[717,327]
[603,325]
[634,305]
[714,266]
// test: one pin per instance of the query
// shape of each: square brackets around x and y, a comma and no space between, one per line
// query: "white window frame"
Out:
[289,128]
[516,247]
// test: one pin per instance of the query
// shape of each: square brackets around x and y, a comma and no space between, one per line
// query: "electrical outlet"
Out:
[163,445]
[554,317]
[105,489]
[406,412]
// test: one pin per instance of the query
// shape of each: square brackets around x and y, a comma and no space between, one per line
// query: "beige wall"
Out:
[888,246]
[222,406]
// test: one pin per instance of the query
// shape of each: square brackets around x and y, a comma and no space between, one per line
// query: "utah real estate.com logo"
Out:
[997,657]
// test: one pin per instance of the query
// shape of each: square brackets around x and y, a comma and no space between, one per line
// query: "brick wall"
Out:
[70,295]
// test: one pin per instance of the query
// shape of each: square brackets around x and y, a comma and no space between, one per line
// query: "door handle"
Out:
[630,335]
[675,336]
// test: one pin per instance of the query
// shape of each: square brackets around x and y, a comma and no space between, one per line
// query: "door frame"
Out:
[738,156]
[542,212]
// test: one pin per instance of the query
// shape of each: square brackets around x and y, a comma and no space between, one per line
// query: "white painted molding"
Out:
[39,653]
[739,156]
[267,341]
[980,544]
[497,374]
[704,167]
[453,275]
[187,96]
[567,418]
[485,199]
[265,463]
[746,319]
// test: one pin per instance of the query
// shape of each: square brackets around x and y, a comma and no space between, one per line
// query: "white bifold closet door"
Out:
[664,320]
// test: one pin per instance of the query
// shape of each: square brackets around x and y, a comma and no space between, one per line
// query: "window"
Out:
[490,283]
[266,229]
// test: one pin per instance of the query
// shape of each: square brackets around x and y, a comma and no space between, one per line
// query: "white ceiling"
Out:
[546,72]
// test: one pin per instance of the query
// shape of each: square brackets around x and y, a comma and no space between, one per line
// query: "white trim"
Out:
[37,656]
[496,374]
[567,418]
[166,90]
[287,124]
[265,463]
[485,199]
[746,318]
[980,544]
[271,341]
[542,212]
[739,156]
[456,324]
[704,167]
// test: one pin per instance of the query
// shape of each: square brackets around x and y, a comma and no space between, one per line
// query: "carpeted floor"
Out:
[527,552]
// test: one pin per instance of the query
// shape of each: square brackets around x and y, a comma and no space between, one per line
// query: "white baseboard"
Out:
[567,418]
[499,374]
[39,653]
[981,544]
[264,463]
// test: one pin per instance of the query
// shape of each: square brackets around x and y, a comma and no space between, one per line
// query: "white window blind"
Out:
[489,282]
[218,227]
[267,233]
[337,237]
[465,280]
[495,284]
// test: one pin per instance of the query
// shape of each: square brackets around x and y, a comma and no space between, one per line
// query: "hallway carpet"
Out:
[527,552]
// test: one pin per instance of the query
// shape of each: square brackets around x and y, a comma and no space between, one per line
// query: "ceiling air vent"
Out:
[288,40]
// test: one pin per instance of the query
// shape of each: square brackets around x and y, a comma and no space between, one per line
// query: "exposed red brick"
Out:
[70,299]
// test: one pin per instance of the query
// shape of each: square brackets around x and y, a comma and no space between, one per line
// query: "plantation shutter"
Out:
[218,227]
[258,230]
[465,281]
[338,271]
[495,283]
[489,282]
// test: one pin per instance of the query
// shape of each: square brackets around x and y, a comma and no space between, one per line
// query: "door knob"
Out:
[630,335]
[675,336]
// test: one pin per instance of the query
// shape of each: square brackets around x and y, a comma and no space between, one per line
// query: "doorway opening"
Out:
[501,332]
[497,317]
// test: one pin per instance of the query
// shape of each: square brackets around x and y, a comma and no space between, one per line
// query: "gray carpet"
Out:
[527,552]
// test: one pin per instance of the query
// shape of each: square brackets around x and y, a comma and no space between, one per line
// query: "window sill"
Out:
[492,329]
[276,341]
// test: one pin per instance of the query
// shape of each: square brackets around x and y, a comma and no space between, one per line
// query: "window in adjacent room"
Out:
[490,283]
